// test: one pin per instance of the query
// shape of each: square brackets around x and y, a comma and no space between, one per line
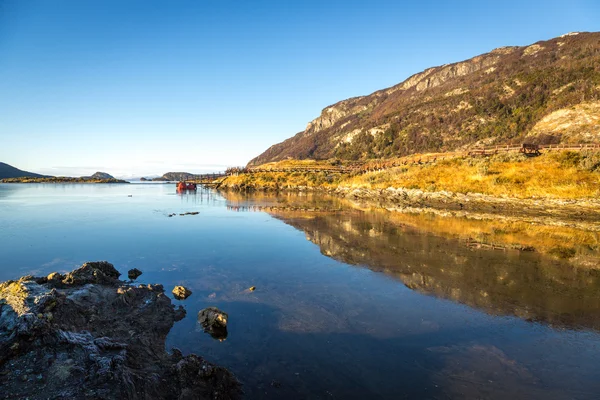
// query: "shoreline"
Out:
[62,180]
[89,334]
[576,211]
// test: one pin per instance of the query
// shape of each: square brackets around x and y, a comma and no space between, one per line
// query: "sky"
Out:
[140,88]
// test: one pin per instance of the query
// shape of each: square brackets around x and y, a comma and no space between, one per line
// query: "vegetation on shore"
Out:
[553,175]
[60,179]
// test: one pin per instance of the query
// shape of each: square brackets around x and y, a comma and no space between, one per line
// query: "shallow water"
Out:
[348,303]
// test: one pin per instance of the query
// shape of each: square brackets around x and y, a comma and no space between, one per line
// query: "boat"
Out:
[182,186]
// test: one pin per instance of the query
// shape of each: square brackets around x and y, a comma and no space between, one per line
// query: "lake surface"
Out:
[349,303]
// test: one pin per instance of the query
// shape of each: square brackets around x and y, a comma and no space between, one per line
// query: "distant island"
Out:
[10,174]
[61,179]
[173,176]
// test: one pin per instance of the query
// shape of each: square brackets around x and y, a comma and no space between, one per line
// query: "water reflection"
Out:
[526,284]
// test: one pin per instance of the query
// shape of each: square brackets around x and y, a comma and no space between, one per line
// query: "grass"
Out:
[545,176]
[560,175]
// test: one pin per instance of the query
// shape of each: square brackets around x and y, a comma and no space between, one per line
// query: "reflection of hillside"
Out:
[527,285]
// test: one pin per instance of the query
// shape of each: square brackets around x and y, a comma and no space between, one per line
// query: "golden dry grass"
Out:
[539,177]
[551,176]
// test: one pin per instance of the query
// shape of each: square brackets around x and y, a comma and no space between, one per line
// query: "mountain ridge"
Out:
[8,171]
[492,98]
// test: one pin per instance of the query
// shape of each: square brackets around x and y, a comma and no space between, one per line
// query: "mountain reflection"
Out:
[525,284]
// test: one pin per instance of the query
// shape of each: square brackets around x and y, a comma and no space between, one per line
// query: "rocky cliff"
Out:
[509,94]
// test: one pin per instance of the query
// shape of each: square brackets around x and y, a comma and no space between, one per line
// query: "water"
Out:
[349,304]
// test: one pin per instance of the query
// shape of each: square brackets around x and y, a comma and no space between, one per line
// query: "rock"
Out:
[181,293]
[214,322]
[55,277]
[133,273]
[100,272]
[106,339]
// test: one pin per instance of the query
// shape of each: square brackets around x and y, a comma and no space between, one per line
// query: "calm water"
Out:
[347,305]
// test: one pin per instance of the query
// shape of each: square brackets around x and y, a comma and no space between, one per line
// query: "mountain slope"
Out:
[494,98]
[8,171]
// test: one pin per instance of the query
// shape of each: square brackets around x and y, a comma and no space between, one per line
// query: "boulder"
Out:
[181,293]
[133,273]
[214,322]
[55,277]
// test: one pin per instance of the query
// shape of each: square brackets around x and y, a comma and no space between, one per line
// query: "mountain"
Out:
[99,175]
[548,92]
[8,171]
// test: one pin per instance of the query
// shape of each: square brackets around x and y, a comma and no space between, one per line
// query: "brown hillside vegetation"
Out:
[553,175]
[548,92]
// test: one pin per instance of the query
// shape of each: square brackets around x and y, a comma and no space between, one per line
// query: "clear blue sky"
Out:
[146,87]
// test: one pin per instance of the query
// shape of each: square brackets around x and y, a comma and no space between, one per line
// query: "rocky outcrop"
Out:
[89,335]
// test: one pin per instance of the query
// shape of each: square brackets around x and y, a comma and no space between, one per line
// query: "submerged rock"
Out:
[181,293]
[134,273]
[90,335]
[214,322]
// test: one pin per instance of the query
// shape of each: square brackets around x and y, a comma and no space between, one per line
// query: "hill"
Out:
[174,176]
[99,175]
[8,171]
[548,92]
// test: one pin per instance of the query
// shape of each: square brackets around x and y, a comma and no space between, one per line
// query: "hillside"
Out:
[548,92]
[8,171]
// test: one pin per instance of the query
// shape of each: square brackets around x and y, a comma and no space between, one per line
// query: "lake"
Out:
[350,302]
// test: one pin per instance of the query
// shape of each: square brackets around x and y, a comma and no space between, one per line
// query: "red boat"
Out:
[182,186]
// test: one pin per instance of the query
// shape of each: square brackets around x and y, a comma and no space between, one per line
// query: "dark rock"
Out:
[100,272]
[133,273]
[214,322]
[181,293]
[94,336]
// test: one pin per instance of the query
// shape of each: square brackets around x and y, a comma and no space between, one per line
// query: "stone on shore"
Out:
[181,293]
[134,273]
[55,277]
[214,322]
